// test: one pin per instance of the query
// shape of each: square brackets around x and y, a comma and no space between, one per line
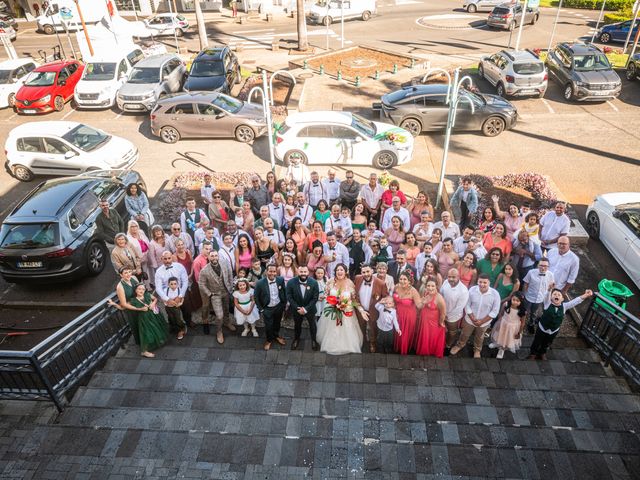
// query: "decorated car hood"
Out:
[392,135]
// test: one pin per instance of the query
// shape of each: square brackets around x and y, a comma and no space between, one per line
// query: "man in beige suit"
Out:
[216,286]
[369,291]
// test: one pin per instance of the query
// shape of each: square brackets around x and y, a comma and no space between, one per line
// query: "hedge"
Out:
[615,17]
[597,4]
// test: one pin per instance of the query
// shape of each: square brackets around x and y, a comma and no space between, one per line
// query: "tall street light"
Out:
[555,23]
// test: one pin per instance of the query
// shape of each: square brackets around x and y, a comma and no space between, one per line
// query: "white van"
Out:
[326,12]
[61,15]
[102,78]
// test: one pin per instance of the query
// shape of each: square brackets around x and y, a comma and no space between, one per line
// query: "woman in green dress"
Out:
[125,290]
[491,264]
[358,218]
[507,283]
[322,212]
[151,324]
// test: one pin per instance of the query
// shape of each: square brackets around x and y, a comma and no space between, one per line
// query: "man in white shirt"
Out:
[455,296]
[178,234]
[564,264]
[449,228]
[334,223]
[461,243]
[305,211]
[553,226]
[332,186]
[272,234]
[371,195]
[476,246]
[228,251]
[482,307]
[276,208]
[396,210]
[334,253]
[314,190]
[206,191]
[297,171]
[537,283]
[167,270]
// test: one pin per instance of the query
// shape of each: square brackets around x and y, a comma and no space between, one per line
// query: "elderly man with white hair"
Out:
[396,210]
[448,227]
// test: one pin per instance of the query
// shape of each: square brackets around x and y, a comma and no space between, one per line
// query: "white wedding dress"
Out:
[339,339]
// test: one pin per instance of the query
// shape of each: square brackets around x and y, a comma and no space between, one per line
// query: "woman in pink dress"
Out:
[408,302]
[411,247]
[243,253]
[446,257]
[512,219]
[395,234]
[417,206]
[430,339]
[467,269]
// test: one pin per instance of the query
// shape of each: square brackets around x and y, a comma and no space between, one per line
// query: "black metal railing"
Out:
[615,333]
[59,363]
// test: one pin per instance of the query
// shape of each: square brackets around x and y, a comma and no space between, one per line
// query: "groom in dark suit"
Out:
[302,294]
[270,297]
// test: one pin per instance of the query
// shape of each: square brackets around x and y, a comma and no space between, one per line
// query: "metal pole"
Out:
[175,36]
[57,34]
[626,42]
[342,24]
[84,28]
[267,113]
[135,13]
[447,137]
[555,23]
[326,27]
[66,29]
[522,17]
[598,22]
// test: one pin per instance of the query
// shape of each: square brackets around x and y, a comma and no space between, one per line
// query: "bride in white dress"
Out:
[337,339]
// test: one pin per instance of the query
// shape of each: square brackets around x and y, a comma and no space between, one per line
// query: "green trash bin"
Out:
[615,292]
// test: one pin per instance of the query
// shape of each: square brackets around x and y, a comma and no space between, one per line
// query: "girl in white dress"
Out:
[346,338]
[245,310]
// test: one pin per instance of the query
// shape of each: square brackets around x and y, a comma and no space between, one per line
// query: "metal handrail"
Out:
[615,333]
[57,364]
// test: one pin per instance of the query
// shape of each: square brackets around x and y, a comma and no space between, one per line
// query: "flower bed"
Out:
[281,92]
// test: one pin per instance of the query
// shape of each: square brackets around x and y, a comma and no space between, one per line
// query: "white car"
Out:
[8,30]
[102,78]
[614,218]
[167,24]
[65,148]
[13,73]
[346,138]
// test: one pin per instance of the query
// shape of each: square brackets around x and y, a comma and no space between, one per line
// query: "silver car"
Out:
[149,80]
[515,73]
[509,15]
[473,6]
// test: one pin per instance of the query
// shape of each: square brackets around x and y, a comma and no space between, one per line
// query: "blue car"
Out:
[617,32]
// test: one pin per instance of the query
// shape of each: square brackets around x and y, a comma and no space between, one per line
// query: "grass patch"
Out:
[618,60]
[245,72]
[549,3]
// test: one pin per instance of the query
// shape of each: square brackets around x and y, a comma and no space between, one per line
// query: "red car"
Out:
[48,87]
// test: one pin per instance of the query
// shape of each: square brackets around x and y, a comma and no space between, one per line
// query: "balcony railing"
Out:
[615,333]
[59,363]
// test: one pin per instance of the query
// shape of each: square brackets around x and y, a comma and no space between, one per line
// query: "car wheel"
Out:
[568,92]
[58,103]
[534,19]
[411,125]
[245,134]
[593,225]
[605,37]
[49,30]
[385,160]
[294,154]
[326,21]
[632,72]
[366,15]
[471,8]
[493,126]
[179,32]
[169,135]
[22,173]
[95,258]
[11,100]
[480,71]
[500,90]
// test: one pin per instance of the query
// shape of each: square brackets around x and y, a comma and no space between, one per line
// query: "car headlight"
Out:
[46,98]
[582,84]
[149,95]
[260,120]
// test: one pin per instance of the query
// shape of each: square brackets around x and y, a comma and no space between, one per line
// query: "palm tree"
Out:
[202,31]
[303,41]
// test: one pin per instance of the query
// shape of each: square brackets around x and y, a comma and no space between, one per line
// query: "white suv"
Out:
[102,78]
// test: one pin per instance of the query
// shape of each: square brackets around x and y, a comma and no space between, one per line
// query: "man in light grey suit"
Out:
[216,287]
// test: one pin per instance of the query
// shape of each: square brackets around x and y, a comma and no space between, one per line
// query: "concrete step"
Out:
[95,406]
[392,376]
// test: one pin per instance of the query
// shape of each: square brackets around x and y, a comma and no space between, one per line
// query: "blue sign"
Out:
[66,13]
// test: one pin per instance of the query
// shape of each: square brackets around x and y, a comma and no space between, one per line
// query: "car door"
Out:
[434,111]
[122,73]
[491,68]
[61,88]
[175,75]
[184,118]
[318,144]
[631,220]
[61,159]
[488,5]
[212,121]
[355,149]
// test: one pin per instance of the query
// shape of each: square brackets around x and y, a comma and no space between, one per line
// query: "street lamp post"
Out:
[555,23]
[342,24]
[522,17]
[595,30]
[267,113]
[175,35]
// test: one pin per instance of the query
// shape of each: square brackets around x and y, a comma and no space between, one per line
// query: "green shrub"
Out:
[597,4]
[615,17]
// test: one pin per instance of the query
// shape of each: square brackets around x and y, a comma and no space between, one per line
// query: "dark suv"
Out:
[213,70]
[51,234]
[583,72]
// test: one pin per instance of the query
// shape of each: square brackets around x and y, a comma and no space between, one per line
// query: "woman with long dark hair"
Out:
[137,205]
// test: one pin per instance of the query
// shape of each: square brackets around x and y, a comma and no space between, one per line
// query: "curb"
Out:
[35,305]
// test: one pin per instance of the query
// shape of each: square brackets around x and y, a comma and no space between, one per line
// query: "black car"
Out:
[633,68]
[213,70]
[51,234]
[420,108]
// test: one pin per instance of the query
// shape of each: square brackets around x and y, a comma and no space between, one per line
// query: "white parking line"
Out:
[548,105]
[255,31]
[68,113]
[117,116]
[612,106]
[12,116]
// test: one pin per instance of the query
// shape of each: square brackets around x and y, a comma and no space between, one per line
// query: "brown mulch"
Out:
[339,61]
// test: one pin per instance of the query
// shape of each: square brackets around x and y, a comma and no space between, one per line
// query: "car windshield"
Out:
[500,11]
[477,100]
[40,79]
[144,75]
[31,235]
[206,69]
[95,72]
[528,68]
[228,104]
[363,125]
[597,61]
[5,76]
[85,137]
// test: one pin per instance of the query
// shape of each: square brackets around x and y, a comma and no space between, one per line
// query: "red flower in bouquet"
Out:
[332,300]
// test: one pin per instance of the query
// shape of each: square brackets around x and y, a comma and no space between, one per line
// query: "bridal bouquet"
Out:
[339,306]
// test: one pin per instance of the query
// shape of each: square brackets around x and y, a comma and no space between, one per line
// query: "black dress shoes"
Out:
[315,346]
[294,345]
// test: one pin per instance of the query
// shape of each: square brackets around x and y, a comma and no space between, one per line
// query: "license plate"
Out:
[134,107]
[601,94]
[528,91]
[29,264]
[29,111]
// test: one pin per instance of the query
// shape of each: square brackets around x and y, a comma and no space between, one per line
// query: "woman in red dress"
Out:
[430,339]
[408,302]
